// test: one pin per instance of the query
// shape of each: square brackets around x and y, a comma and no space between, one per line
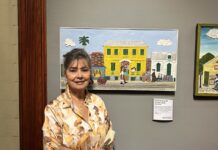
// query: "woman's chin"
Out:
[79,87]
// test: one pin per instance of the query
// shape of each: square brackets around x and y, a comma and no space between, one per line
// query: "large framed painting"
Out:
[125,59]
[206,60]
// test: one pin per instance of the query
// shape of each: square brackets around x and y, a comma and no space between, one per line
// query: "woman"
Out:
[77,119]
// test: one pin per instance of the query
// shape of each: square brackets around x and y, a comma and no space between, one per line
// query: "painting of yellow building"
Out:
[131,54]
[121,58]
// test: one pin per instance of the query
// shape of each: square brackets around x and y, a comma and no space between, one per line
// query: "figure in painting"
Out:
[122,77]
[216,83]
[153,76]
[125,75]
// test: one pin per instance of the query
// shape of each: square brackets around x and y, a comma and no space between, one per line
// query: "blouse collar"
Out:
[69,103]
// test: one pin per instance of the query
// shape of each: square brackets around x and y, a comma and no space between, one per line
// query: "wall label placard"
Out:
[162,109]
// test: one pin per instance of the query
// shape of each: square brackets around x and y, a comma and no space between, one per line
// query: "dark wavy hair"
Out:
[76,54]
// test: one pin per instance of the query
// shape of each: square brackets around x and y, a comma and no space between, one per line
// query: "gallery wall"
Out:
[195,126]
[9,78]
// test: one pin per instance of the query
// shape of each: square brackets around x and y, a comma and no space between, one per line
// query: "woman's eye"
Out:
[72,70]
[85,70]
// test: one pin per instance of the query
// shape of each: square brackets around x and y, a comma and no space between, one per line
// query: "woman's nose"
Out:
[79,74]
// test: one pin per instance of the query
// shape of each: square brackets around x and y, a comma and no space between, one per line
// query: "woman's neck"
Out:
[78,95]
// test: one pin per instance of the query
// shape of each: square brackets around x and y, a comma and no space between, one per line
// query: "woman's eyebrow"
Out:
[83,67]
[71,67]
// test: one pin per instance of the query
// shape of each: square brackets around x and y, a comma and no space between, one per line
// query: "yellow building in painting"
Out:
[131,54]
[210,69]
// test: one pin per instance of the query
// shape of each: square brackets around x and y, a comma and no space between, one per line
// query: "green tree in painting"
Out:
[84,40]
[204,59]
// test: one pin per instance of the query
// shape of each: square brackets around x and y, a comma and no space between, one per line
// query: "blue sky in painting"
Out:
[97,38]
[208,44]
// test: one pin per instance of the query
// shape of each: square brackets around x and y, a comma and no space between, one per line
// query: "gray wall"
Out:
[195,125]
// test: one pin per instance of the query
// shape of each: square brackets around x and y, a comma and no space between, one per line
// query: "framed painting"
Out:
[125,59]
[206,60]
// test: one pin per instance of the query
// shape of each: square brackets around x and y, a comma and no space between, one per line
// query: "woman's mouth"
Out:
[79,82]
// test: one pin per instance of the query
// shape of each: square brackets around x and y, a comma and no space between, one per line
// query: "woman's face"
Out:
[78,75]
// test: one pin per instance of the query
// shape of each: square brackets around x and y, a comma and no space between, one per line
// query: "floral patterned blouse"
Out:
[65,128]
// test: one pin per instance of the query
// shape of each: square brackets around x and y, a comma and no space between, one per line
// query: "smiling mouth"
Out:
[80,82]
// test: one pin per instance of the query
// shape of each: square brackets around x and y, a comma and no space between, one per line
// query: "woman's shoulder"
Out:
[58,102]
[96,99]
[53,103]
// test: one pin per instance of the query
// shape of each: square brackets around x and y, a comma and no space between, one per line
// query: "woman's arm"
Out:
[52,136]
[52,132]
[109,142]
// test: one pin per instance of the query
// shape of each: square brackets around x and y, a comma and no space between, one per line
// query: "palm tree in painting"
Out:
[84,40]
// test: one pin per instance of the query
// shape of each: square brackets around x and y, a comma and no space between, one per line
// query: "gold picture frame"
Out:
[206,61]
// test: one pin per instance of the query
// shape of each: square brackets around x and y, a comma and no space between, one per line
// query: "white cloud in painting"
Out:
[69,42]
[164,42]
[213,33]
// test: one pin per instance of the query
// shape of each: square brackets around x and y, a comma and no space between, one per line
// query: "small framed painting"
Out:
[125,59]
[206,61]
